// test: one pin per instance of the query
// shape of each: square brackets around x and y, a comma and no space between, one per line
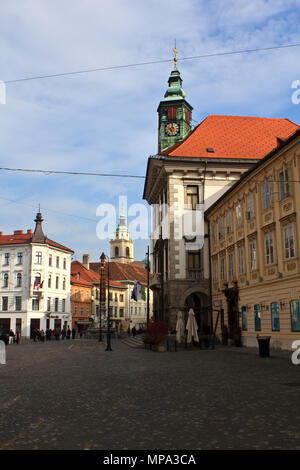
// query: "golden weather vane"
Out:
[175,56]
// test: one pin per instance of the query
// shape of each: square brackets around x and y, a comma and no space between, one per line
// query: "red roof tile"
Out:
[80,282]
[123,272]
[26,238]
[233,137]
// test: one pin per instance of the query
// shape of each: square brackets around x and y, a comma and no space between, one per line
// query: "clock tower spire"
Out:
[174,112]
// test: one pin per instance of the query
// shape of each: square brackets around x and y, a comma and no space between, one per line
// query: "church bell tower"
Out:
[174,112]
[121,247]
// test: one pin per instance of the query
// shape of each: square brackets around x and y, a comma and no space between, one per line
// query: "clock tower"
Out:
[174,112]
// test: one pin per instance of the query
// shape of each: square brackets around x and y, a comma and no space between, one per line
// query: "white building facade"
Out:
[34,282]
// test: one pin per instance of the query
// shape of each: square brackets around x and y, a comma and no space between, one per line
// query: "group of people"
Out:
[134,331]
[41,335]
[13,337]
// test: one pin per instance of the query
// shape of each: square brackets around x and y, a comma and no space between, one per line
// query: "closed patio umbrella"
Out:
[192,327]
[179,328]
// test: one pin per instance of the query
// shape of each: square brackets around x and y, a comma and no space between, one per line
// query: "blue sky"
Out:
[106,121]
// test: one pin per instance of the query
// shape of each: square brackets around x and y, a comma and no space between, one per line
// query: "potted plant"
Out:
[155,336]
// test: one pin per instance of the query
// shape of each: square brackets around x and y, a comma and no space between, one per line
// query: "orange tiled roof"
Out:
[233,137]
[124,272]
[26,238]
[90,275]
[80,282]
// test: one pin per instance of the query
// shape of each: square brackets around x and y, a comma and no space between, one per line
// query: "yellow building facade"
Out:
[255,247]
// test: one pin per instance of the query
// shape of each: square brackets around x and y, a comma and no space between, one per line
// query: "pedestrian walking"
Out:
[133,331]
[11,336]
[42,336]
[68,333]
[18,337]
[73,333]
[57,334]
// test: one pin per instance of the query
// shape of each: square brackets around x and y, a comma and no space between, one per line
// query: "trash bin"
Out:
[264,345]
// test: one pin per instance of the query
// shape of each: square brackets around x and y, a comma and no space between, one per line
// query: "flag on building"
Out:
[143,293]
[136,293]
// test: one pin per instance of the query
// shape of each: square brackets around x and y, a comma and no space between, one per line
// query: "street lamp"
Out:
[102,276]
[108,336]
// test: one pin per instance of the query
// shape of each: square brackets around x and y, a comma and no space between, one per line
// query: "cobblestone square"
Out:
[75,395]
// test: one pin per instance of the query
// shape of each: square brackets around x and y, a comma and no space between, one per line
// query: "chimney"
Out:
[86,261]
[18,232]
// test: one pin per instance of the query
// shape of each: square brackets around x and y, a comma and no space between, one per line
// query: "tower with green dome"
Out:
[174,112]
[121,247]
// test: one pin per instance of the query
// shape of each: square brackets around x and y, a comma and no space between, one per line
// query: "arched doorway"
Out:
[199,302]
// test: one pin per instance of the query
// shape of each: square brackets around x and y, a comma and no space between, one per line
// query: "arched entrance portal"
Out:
[199,302]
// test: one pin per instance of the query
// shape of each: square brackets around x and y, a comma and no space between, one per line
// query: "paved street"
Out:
[75,395]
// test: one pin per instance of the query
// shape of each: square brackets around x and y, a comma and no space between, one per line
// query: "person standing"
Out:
[73,333]
[68,333]
[18,337]
[11,336]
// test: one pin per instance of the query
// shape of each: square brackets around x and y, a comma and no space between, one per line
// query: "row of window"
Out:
[38,259]
[87,294]
[121,297]
[269,249]
[266,192]
[81,311]
[35,304]
[275,320]
[117,252]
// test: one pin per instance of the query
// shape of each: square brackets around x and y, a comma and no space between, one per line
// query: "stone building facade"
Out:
[189,176]
[255,243]
[34,281]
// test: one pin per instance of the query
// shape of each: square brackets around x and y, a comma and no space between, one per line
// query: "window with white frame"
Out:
[289,242]
[63,305]
[231,264]
[49,281]
[5,280]
[241,259]
[284,183]
[238,215]
[50,260]
[266,195]
[20,258]
[6,259]
[269,244]
[38,257]
[252,247]
[19,280]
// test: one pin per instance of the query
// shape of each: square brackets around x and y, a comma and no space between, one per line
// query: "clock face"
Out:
[172,128]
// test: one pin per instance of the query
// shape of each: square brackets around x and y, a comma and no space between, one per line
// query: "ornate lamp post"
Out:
[102,291]
[108,336]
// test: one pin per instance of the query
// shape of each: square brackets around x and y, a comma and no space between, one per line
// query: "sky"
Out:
[106,121]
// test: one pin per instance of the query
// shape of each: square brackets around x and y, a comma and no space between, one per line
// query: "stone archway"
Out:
[199,302]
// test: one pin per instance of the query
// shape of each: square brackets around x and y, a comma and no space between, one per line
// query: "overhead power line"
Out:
[80,173]
[49,172]
[140,64]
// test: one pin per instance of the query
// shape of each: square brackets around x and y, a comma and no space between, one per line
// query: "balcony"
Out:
[155,281]
[195,274]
